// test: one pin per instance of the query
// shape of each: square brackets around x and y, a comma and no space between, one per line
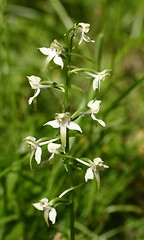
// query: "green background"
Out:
[116,211]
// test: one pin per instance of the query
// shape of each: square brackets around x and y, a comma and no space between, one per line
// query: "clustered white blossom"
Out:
[63,120]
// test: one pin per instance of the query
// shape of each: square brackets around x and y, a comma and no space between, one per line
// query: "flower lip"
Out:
[53,148]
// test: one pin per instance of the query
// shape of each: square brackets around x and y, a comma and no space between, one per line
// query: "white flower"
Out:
[53,53]
[49,211]
[35,84]
[53,148]
[95,106]
[97,78]
[62,121]
[80,31]
[93,170]
[35,147]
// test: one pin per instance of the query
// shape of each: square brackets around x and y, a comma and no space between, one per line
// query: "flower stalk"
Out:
[67,108]
[64,121]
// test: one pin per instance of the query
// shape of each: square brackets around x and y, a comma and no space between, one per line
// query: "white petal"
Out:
[38,206]
[89,174]
[45,51]
[51,157]
[87,39]
[34,78]
[96,84]
[74,126]
[94,105]
[43,86]
[101,122]
[53,123]
[34,96]
[34,81]
[30,139]
[30,100]
[58,60]
[38,154]
[44,200]
[52,147]
[97,160]
[85,26]
[80,39]
[49,58]
[46,215]
[105,166]
[63,134]
[52,215]
[91,74]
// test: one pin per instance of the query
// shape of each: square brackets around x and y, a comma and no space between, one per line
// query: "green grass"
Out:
[116,211]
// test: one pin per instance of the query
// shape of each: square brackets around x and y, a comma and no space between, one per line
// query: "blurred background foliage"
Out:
[117,211]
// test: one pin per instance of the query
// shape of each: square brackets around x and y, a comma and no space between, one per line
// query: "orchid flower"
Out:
[49,211]
[95,106]
[62,121]
[93,169]
[35,84]
[80,31]
[53,53]
[98,77]
[35,146]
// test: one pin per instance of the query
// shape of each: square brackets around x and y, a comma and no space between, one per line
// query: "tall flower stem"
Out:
[67,109]
[72,230]
[66,100]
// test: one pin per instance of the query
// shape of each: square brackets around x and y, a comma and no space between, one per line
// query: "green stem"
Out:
[72,229]
[67,109]
[67,85]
